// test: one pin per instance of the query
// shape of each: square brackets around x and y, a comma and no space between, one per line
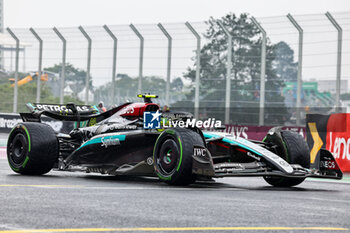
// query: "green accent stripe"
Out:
[286,148]
[178,166]
[13,168]
[25,162]
[29,143]
[163,177]
[12,130]
[169,160]
[170,131]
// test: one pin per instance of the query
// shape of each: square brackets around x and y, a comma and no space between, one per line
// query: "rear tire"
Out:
[172,156]
[32,148]
[292,147]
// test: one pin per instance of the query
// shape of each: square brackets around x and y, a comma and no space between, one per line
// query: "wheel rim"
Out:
[18,149]
[168,156]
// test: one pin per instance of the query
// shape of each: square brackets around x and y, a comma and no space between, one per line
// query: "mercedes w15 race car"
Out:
[118,142]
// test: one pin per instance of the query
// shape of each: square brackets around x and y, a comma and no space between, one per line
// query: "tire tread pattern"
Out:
[188,138]
[44,149]
[297,152]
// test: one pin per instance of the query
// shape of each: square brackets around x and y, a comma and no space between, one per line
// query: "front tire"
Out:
[32,148]
[172,155]
[292,147]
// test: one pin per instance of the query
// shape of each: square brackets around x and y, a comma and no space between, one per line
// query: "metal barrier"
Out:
[190,75]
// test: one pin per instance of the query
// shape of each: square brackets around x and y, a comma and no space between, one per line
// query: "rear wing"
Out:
[58,112]
[62,113]
[61,109]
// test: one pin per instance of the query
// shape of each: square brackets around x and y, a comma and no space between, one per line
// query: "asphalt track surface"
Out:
[78,202]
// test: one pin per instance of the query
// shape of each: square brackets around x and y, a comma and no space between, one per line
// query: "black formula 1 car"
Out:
[116,143]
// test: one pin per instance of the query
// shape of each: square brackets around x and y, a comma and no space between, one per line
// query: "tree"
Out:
[27,94]
[27,91]
[245,73]
[283,63]
[126,88]
[177,84]
[74,77]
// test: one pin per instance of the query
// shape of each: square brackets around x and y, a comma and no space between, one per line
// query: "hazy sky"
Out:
[44,13]
[320,38]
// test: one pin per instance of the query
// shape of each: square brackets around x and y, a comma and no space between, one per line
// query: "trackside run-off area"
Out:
[78,202]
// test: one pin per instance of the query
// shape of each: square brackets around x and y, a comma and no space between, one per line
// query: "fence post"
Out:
[167,87]
[87,79]
[15,94]
[38,91]
[300,64]
[228,75]
[24,59]
[63,72]
[262,72]
[11,59]
[115,43]
[339,54]
[197,80]
[138,34]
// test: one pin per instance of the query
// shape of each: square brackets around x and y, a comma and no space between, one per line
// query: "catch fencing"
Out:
[238,73]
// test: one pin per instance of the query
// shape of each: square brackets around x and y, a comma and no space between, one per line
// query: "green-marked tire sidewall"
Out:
[19,128]
[279,139]
[161,138]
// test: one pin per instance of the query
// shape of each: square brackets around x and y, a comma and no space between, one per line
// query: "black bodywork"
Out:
[116,143]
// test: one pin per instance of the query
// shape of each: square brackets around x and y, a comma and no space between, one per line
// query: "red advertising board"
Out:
[338,139]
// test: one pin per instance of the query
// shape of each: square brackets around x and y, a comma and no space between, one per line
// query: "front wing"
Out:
[266,163]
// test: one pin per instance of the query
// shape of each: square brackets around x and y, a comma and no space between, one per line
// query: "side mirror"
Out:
[72,107]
